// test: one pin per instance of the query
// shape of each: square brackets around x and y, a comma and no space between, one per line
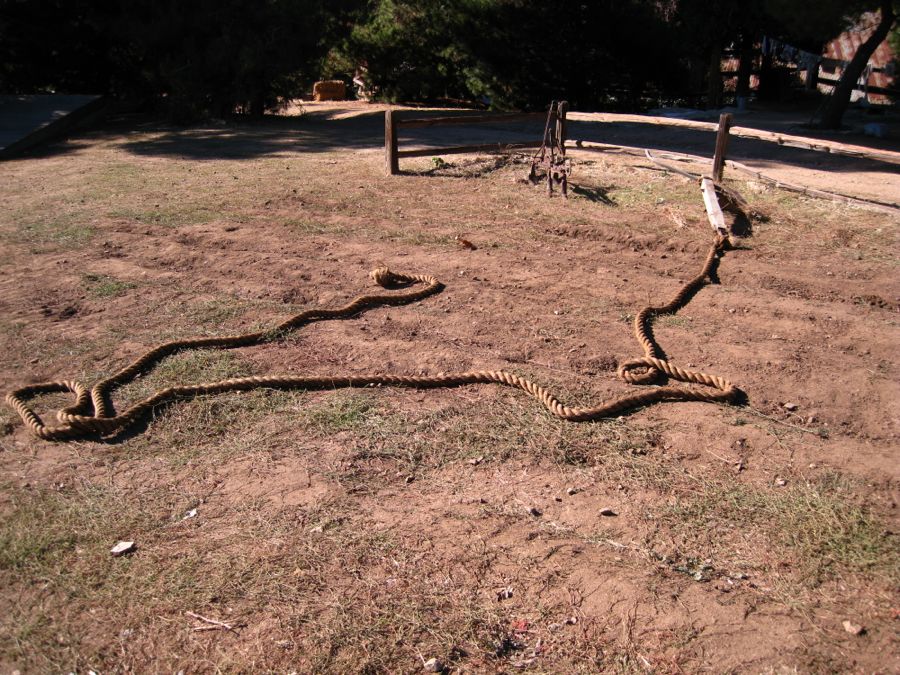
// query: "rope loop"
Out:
[91,413]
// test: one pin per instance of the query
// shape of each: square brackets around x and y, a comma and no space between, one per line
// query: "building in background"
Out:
[881,71]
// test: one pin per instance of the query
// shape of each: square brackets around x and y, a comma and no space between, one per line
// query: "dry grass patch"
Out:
[810,531]
[320,587]
[357,530]
[61,233]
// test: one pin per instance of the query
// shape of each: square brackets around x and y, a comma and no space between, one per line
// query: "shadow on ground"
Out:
[599,195]
[699,142]
[326,131]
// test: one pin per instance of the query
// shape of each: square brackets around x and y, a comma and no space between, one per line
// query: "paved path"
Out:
[362,125]
[836,173]
[353,126]
[25,116]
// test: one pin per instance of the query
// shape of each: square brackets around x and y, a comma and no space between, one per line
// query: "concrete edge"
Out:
[87,113]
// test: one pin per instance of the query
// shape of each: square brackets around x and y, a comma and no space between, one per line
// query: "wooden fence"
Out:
[393,122]
[724,129]
[787,140]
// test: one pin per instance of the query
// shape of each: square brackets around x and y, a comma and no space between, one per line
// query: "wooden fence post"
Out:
[391,162]
[561,109]
[721,146]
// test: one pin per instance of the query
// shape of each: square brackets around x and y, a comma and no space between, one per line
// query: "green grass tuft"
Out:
[57,233]
[340,411]
[817,526]
[104,286]
[167,216]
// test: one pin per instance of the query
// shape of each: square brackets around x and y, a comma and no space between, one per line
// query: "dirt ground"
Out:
[372,530]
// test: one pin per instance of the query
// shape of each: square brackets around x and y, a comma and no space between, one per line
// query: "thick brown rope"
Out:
[91,414]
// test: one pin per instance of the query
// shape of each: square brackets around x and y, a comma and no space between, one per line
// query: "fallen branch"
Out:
[814,432]
[713,210]
[887,207]
[731,195]
[669,167]
[214,624]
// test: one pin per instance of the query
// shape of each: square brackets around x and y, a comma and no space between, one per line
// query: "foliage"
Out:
[408,46]
[55,45]
[514,53]
[212,56]
[584,52]
[839,100]
[810,24]
[208,57]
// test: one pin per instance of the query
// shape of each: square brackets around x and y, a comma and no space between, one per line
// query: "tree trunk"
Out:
[257,105]
[768,86]
[840,96]
[715,91]
[635,90]
[745,67]
[812,72]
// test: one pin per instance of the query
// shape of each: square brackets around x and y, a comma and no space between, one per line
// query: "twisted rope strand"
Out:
[92,412]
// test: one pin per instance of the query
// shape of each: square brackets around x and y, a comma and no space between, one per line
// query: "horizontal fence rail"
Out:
[462,149]
[723,129]
[393,122]
[815,144]
[470,119]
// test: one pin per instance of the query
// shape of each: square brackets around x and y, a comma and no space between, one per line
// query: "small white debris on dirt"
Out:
[190,514]
[210,624]
[123,548]
[853,628]
[791,407]
[475,461]
[780,482]
[606,511]
[505,593]
[433,665]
